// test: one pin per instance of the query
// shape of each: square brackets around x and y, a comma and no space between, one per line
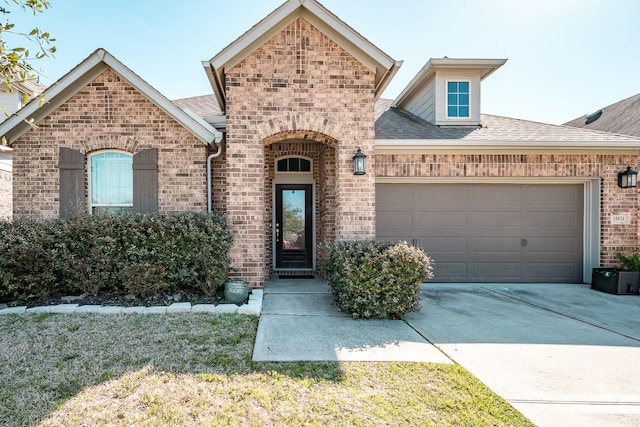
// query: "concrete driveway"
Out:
[563,355]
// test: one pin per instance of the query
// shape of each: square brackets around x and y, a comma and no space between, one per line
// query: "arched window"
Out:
[110,182]
[293,164]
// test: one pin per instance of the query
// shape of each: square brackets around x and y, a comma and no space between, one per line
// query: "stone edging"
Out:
[253,307]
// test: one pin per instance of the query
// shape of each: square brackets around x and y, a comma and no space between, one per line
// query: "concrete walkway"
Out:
[563,355]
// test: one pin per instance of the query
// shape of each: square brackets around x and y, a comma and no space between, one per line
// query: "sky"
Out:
[566,58]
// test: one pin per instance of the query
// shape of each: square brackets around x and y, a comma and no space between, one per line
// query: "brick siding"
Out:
[299,88]
[614,200]
[108,114]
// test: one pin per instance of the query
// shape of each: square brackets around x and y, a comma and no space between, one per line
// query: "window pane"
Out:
[463,99]
[111,179]
[463,87]
[293,219]
[463,112]
[452,87]
[294,164]
[452,99]
[453,112]
[305,165]
[282,165]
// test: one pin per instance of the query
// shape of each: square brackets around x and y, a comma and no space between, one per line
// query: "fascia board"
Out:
[444,146]
[15,126]
[57,94]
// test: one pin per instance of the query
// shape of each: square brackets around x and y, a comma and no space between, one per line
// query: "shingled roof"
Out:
[203,106]
[400,124]
[623,117]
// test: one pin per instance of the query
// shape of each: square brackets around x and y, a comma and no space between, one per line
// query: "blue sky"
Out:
[566,58]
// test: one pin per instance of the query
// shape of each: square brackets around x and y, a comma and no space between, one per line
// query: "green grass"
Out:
[191,370]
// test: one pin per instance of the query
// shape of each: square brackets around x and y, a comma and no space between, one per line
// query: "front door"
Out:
[293,229]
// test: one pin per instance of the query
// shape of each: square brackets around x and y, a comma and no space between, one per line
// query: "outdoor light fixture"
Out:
[628,178]
[359,163]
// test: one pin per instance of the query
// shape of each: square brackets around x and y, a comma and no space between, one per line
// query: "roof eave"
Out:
[447,146]
[58,93]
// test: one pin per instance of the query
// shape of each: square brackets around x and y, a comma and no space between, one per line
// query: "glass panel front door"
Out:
[294,226]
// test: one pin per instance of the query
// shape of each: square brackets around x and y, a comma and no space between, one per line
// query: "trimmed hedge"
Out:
[375,279]
[142,254]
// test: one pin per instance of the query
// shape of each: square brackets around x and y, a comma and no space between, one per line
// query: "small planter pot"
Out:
[236,291]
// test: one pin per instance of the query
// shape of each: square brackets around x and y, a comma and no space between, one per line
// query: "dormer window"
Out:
[457,99]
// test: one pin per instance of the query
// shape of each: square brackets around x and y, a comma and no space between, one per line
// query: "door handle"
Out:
[524,242]
[277,232]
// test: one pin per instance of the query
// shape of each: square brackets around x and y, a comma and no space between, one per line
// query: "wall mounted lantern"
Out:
[628,178]
[359,163]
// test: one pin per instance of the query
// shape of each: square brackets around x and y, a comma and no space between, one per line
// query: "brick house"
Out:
[294,100]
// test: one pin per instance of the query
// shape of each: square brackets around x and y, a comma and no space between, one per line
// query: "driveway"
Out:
[563,355]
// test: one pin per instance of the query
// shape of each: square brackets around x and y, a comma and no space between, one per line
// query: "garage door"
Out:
[488,232]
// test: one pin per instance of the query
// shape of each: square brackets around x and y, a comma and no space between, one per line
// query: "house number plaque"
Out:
[621,219]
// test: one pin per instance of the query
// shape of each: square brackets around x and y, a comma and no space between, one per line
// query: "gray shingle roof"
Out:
[623,117]
[400,124]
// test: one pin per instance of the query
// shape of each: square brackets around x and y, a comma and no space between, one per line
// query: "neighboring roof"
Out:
[623,117]
[398,130]
[317,15]
[485,66]
[85,72]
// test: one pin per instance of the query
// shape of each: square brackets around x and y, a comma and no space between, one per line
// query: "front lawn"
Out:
[91,370]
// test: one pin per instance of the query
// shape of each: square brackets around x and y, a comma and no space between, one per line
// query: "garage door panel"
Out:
[552,246]
[495,219]
[454,271]
[429,220]
[549,220]
[395,222]
[511,271]
[553,272]
[494,194]
[561,194]
[491,232]
[495,245]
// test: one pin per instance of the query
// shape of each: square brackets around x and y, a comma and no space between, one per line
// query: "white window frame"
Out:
[446,98]
[90,184]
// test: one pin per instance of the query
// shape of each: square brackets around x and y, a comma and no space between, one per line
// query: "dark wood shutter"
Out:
[71,167]
[145,181]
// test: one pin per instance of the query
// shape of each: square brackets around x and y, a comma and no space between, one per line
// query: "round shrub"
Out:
[375,279]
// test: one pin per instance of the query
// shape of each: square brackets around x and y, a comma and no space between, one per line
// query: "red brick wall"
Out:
[614,200]
[108,114]
[298,82]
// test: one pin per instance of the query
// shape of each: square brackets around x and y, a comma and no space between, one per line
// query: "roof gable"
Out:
[317,15]
[85,72]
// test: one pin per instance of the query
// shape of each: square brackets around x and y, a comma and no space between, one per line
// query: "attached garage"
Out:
[494,232]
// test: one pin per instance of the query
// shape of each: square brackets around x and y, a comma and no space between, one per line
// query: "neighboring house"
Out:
[623,118]
[6,184]
[294,99]
[10,102]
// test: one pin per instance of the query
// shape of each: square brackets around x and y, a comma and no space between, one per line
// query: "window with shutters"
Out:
[110,182]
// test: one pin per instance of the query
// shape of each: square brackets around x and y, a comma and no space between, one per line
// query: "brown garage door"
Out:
[488,232]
